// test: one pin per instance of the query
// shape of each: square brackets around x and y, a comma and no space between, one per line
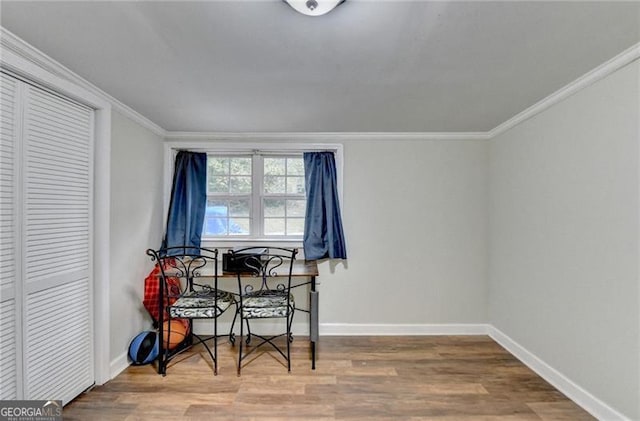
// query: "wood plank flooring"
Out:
[356,378]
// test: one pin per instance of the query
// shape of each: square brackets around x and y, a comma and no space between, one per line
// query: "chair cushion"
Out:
[261,305]
[201,304]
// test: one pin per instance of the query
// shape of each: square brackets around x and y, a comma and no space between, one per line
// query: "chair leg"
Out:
[232,336]
[288,355]
[162,357]
[215,346]
[240,348]
[289,326]
[288,339]
[161,368]
[248,339]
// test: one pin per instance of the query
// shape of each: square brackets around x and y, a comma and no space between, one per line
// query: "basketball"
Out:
[144,348]
[173,333]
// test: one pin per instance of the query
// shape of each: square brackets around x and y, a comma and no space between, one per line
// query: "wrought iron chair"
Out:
[271,299]
[184,295]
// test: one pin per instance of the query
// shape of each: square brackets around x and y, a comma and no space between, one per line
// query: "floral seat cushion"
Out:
[263,305]
[201,304]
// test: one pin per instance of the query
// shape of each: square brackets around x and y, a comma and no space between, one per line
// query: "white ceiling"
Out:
[367,66]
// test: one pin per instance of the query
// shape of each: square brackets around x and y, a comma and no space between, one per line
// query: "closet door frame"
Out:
[31,72]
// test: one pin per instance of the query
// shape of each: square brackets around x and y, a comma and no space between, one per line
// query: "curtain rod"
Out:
[259,152]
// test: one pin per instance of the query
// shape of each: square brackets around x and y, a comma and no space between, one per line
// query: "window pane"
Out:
[215,226]
[218,184]
[241,166]
[295,226]
[295,166]
[295,185]
[296,208]
[273,207]
[274,226]
[240,184]
[274,184]
[274,166]
[239,207]
[215,217]
[217,166]
[239,226]
[215,221]
[216,208]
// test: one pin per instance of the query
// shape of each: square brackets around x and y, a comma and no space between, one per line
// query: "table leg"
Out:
[313,321]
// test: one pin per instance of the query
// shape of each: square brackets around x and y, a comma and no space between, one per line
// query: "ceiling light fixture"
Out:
[314,7]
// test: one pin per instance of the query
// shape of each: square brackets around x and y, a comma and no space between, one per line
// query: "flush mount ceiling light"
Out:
[314,7]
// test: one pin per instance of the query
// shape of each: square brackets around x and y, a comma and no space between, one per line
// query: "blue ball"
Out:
[144,348]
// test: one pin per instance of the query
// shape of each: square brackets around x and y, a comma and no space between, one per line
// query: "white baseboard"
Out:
[118,365]
[586,400]
[350,329]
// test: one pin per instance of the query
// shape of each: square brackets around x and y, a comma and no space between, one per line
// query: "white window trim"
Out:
[172,148]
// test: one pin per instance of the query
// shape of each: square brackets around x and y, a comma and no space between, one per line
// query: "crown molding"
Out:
[605,69]
[323,137]
[12,43]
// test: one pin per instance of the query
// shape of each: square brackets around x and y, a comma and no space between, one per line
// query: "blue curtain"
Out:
[323,235]
[188,201]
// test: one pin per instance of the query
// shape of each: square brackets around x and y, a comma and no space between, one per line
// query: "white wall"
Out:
[415,216]
[136,224]
[564,216]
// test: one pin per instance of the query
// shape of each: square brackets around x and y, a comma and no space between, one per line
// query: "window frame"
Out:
[247,148]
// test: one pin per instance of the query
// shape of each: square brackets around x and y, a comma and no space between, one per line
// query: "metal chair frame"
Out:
[265,267]
[188,264]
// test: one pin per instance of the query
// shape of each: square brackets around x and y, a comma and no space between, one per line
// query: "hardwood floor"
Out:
[357,378]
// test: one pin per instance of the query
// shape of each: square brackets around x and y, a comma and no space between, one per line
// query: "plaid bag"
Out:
[152,295]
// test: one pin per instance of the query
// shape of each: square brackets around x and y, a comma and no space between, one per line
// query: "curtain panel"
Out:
[323,233]
[188,201]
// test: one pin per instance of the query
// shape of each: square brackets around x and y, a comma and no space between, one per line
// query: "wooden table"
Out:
[307,269]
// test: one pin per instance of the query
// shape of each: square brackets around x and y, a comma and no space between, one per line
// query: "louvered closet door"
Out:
[10,364]
[56,236]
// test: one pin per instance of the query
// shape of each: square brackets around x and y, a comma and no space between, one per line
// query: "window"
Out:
[255,196]
[255,188]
